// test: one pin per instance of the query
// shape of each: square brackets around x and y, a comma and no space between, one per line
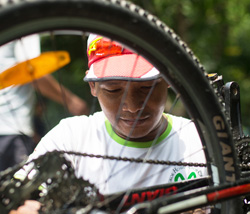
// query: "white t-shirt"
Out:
[94,135]
[17,103]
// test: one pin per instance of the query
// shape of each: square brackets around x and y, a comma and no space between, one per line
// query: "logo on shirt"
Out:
[183,173]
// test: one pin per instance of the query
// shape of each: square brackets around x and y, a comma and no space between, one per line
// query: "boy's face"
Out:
[122,109]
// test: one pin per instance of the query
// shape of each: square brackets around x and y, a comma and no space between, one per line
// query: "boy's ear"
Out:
[93,89]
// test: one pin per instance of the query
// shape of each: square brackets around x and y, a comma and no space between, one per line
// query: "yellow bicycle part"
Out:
[33,69]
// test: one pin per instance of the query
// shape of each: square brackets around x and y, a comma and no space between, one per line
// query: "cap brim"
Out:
[122,67]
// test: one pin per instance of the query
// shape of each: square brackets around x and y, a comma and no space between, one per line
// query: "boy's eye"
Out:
[146,88]
[112,90]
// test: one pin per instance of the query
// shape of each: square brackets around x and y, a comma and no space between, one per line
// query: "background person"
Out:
[17,103]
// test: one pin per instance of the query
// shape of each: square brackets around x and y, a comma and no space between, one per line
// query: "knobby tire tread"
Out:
[154,40]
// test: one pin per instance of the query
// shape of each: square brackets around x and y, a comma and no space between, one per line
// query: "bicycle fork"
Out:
[231,96]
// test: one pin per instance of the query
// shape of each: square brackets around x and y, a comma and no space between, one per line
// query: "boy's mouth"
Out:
[134,121]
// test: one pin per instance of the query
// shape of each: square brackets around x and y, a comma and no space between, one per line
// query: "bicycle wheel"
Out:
[127,24]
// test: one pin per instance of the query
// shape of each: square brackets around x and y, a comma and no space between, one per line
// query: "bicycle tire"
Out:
[160,45]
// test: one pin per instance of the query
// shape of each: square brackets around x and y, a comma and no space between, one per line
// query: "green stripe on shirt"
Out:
[134,144]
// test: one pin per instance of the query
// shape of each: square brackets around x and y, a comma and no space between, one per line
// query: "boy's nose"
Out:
[133,102]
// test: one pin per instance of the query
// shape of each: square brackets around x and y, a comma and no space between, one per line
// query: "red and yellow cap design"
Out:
[109,60]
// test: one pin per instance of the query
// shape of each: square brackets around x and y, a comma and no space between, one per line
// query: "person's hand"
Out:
[29,207]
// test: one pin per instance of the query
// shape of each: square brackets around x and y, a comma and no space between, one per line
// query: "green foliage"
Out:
[218,32]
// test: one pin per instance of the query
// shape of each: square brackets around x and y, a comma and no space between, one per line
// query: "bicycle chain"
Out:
[138,160]
[242,147]
[58,186]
